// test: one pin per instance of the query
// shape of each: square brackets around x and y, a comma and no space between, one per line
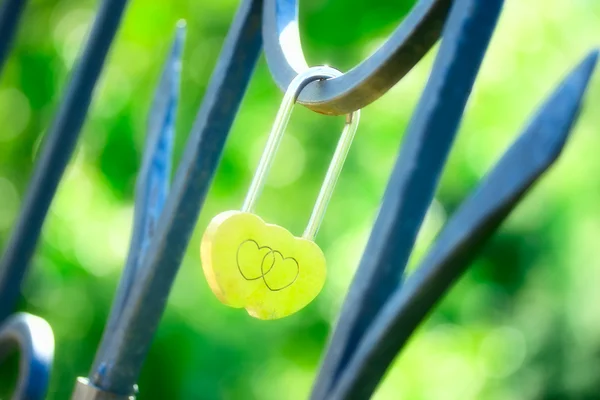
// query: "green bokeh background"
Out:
[524,323]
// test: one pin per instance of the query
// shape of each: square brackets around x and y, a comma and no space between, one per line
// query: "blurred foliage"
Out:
[522,323]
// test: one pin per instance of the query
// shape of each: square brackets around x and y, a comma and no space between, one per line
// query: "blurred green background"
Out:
[524,322]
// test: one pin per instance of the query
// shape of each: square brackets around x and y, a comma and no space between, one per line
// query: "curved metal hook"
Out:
[33,337]
[367,81]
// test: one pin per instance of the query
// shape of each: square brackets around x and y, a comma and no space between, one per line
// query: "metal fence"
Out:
[382,309]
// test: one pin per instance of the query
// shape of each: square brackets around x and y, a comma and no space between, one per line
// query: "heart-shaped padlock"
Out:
[262,267]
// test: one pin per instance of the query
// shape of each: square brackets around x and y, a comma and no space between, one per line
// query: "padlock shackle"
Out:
[279,126]
[333,173]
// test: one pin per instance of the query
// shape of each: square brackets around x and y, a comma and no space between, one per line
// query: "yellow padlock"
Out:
[262,267]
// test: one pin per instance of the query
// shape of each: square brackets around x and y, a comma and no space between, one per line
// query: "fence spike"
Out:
[145,305]
[474,222]
[152,185]
[414,179]
[55,154]
[153,188]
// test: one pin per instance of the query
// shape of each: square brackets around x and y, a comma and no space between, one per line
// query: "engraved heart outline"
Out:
[258,248]
[283,259]
[272,252]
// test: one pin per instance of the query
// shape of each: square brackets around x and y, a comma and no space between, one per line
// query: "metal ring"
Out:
[367,81]
[33,337]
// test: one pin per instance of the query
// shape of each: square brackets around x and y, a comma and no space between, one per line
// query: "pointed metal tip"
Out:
[593,55]
[178,41]
[180,30]
[577,80]
[554,120]
[585,69]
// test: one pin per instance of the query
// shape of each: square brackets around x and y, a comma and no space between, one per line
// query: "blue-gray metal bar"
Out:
[32,337]
[152,185]
[364,83]
[474,222]
[55,154]
[10,15]
[132,337]
[414,179]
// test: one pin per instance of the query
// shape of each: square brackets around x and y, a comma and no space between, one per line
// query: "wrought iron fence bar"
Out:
[128,346]
[55,154]
[367,81]
[414,179]
[152,185]
[470,227]
[10,15]
[32,337]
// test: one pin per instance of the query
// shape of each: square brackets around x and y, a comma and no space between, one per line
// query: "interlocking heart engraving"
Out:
[262,262]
